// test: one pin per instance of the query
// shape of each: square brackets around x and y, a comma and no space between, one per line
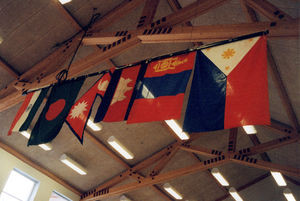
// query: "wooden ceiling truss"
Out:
[165,30]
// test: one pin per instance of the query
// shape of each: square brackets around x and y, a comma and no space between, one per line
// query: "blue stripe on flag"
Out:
[167,85]
[206,106]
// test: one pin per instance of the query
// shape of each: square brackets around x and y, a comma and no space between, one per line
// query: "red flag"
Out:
[81,110]
[116,101]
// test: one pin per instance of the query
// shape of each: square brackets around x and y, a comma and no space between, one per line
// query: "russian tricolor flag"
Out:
[229,87]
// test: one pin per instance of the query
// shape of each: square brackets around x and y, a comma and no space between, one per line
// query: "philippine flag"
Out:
[161,92]
[229,87]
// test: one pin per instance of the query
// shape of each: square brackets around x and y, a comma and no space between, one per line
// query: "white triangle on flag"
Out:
[227,57]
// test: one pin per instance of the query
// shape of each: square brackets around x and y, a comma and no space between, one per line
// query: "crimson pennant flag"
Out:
[28,110]
[229,87]
[118,96]
[81,110]
[54,113]
[161,93]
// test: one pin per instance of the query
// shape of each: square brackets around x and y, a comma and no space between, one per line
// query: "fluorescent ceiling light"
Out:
[178,131]
[93,126]
[124,198]
[73,164]
[278,178]
[216,173]
[172,191]
[46,147]
[64,1]
[288,194]
[120,148]
[235,194]
[250,129]
[25,134]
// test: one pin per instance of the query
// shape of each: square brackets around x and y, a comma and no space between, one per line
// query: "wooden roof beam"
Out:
[4,65]
[148,13]
[288,29]
[139,166]
[250,13]
[281,128]
[116,14]
[38,167]
[201,166]
[201,150]
[268,10]
[273,144]
[67,15]
[252,162]
[232,139]
[247,185]
[282,91]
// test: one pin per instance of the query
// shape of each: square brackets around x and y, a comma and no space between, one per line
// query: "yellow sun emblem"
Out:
[227,67]
[228,53]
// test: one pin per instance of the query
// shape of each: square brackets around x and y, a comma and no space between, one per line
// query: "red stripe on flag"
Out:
[118,107]
[247,100]
[20,112]
[156,109]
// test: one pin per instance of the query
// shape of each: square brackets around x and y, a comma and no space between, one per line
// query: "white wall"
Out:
[46,186]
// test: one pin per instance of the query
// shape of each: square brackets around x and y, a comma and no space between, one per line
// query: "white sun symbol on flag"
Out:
[121,90]
[77,111]
[103,85]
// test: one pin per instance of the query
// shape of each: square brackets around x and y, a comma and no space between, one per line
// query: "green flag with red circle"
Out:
[52,117]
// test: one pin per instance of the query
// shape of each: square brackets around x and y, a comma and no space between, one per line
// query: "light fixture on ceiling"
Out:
[235,194]
[93,126]
[119,147]
[177,129]
[1,39]
[250,129]
[46,146]
[170,189]
[216,173]
[64,1]
[73,164]
[288,195]
[124,198]
[278,178]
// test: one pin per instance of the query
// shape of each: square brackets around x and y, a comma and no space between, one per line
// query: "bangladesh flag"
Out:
[55,111]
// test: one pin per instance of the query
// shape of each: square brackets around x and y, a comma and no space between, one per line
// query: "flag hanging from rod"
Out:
[57,107]
[161,92]
[118,95]
[81,110]
[28,110]
[229,87]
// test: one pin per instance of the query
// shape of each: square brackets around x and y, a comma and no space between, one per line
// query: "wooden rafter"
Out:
[201,150]
[281,128]
[133,170]
[51,62]
[148,13]
[251,162]
[250,13]
[268,10]
[4,65]
[133,174]
[164,161]
[232,140]
[247,185]
[67,15]
[205,32]
[38,167]
[273,144]
[282,91]
[201,166]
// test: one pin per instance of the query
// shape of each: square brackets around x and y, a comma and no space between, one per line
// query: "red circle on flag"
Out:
[55,109]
